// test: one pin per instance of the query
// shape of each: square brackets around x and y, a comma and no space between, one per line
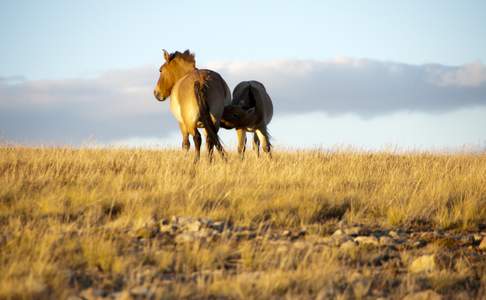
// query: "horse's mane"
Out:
[186,55]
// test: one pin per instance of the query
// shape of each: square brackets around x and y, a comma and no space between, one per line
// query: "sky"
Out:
[367,74]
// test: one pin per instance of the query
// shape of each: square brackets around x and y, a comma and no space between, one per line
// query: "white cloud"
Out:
[470,75]
[364,87]
[115,104]
[119,104]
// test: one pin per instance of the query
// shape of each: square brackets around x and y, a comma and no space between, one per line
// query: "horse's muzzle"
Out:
[158,97]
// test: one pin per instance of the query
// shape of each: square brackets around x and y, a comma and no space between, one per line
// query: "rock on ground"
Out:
[425,263]
[482,246]
[423,295]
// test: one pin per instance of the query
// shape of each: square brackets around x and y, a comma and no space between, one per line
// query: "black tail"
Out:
[253,97]
[205,117]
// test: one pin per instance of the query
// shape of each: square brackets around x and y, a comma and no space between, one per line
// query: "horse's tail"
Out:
[254,98]
[205,117]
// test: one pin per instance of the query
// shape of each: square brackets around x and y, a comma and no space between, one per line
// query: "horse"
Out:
[197,99]
[251,110]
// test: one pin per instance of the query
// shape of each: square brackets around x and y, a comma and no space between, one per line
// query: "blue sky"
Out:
[56,39]
[65,44]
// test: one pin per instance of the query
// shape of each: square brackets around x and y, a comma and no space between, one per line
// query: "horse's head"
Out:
[235,116]
[176,65]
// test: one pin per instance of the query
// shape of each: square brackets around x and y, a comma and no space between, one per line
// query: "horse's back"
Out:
[215,90]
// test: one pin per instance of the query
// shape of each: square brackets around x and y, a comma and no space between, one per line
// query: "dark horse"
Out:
[251,110]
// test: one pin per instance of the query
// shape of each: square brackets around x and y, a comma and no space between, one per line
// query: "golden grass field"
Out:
[94,223]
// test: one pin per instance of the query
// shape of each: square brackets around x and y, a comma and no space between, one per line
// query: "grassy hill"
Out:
[305,224]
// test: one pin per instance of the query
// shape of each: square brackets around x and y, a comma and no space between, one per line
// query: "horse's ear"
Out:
[166,55]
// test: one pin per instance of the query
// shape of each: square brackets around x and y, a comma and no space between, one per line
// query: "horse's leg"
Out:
[241,133]
[256,144]
[220,149]
[197,144]
[185,137]
[264,139]
[209,145]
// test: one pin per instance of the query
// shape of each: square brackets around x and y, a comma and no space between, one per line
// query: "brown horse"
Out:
[251,110]
[197,99]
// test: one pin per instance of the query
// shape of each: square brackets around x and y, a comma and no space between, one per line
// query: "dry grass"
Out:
[67,215]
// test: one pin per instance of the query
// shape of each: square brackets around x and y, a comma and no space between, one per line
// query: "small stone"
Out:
[361,287]
[297,235]
[340,239]
[193,226]
[327,240]
[241,228]
[428,235]
[206,222]
[438,233]
[348,246]
[282,249]
[477,238]
[353,231]
[184,238]
[386,241]
[338,232]
[356,231]
[91,293]
[139,291]
[166,228]
[423,295]
[245,235]
[218,226]
[122,295]
[379,233]
[204,233]
[147,232]
[226,235]
[183,221]
[482,246]
[299,245]
[419,244]
[367,240]
[425,263]
[394,234]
